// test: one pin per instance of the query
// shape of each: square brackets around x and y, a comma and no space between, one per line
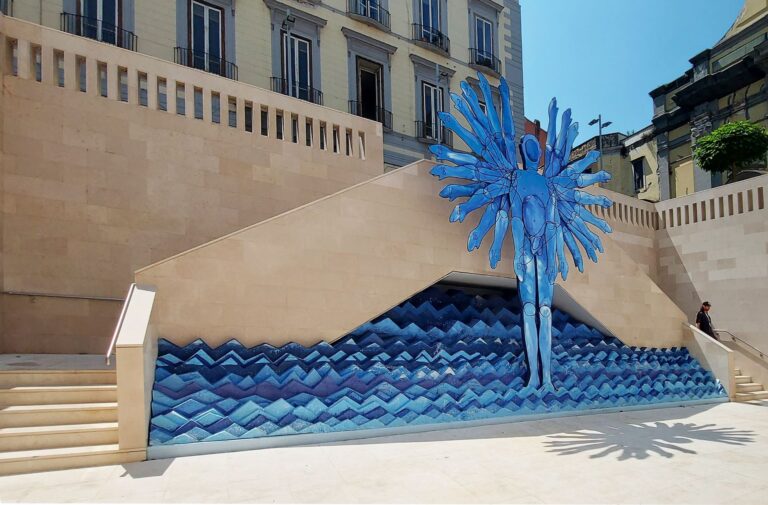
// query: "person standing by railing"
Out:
[704,322]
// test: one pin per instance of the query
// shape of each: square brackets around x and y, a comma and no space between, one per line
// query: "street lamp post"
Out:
[601,125]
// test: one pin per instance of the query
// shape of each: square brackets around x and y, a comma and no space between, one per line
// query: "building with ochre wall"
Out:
[630,159]
[725,83]
[640,149]
[393,61]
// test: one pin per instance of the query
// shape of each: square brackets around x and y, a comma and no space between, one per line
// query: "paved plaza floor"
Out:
[704,454]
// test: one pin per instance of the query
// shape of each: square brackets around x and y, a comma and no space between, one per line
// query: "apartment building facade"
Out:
[630,159]
[725,83]
[392,61]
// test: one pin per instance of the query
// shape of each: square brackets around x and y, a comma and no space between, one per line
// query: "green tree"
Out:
[732,146]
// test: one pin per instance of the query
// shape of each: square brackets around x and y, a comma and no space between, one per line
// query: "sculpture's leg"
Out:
[527,291]
[546,289]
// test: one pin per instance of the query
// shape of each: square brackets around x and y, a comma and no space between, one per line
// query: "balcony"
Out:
[204,61]
[379,114]
[296,90]
[6,7]
[431,38]
[431,133]
[97,29]
[485,62]
[369,11]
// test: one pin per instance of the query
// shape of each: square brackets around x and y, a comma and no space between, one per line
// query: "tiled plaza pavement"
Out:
[705,454]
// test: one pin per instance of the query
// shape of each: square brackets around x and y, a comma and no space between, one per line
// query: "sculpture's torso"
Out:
[537,204]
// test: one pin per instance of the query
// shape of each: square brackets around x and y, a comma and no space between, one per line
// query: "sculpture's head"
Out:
[530,151]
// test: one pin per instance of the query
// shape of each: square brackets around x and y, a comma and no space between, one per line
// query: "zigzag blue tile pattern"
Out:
[444,355]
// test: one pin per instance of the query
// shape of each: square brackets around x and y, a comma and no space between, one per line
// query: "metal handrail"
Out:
[380,114]
[370,10]
[39,294]
[205,61]
[296,90]
[120,322]
[433,133]
[484,59]
[98,29]
[734,337]
[431,36]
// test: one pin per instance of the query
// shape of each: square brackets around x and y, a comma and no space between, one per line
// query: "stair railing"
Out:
[119,323]
[742,341]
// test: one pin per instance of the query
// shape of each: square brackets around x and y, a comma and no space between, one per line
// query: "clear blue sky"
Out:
[604,56]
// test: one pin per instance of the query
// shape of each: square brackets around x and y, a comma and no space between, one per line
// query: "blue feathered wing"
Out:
[491,168]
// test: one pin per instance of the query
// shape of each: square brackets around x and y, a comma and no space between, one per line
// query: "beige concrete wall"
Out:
[94,187]
[136,354]
[721,257]
[634,224]
[713,355]
[319,271]
[44,324]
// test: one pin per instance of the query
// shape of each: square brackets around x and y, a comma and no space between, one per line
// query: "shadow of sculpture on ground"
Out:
[144,469]
[641,441]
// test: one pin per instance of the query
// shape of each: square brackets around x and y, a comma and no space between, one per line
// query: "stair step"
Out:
[13,416]
[748,387]
[45,395]
[47,437]
[41,460]
[743,379]
[737,371]
[755,395]
[13,378]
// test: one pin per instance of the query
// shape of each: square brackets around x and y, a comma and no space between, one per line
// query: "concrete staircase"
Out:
[746,389]
[57,419]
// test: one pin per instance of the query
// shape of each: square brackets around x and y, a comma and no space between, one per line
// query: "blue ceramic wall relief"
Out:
[443,356]
[544,209]
[446,354]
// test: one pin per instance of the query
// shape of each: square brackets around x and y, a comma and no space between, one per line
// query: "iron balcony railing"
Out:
[204,61]
[431,36]
[433,133]
[97,29]
[484,59]
[6,7]
[297,90]
[375,113]
[370,10]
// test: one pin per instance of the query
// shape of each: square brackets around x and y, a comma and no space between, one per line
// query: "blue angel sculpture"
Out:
[544,209]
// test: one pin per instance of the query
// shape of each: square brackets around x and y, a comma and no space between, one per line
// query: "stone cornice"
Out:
[418,60]
[493,5]
[281,7]
[351,34]
[713,86]
[677,83]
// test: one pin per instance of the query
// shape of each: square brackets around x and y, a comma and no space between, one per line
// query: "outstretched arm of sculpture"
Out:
[566,182]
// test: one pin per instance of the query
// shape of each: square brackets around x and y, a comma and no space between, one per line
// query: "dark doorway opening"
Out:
[369,89]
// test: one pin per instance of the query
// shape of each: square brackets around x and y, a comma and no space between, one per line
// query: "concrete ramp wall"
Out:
[319,271]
